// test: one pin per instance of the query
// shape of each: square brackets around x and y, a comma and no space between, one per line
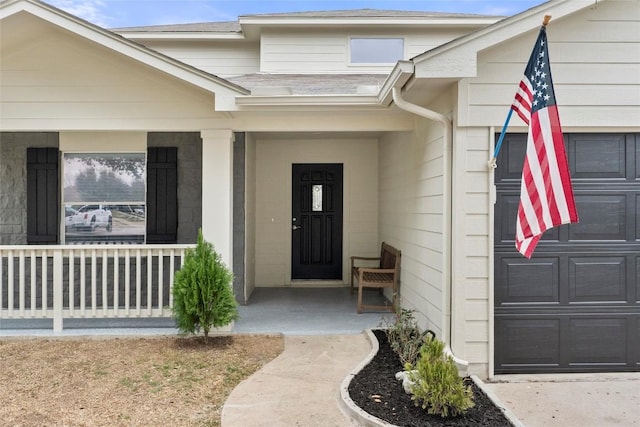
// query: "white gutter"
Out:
[447,198]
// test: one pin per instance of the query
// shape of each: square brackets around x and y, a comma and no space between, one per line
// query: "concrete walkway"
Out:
[300,387]
[571,400]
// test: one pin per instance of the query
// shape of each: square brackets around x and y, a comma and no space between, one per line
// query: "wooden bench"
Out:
[385,275]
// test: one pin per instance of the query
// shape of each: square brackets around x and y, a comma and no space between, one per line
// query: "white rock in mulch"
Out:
[406,382]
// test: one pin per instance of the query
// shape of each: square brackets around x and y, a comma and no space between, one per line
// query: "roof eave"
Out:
[316,101]
[358,21]
[186,35]
[124,46]
[458,58]
[399,76]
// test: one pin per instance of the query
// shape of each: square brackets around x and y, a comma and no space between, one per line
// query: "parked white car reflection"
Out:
[90,217]
[69,212]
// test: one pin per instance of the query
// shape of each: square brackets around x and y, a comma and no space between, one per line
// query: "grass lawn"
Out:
[163,381]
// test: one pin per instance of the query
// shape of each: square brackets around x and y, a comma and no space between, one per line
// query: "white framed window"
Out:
[104,197]
[375,50]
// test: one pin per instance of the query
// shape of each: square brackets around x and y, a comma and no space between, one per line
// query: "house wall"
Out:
[13,182]
[223,58]
[61,82]
[189,179]
[250,215]
[315,51]
[412,218]
[274,159]
[472,254]
[595,57]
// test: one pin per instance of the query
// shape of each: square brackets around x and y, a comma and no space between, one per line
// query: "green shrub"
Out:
[435,383]
[405,336]
[202,293]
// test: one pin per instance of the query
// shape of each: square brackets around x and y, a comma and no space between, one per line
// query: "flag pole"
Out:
[492,162]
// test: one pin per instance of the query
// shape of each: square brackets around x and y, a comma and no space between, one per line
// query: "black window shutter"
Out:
[42,196]
[162,195]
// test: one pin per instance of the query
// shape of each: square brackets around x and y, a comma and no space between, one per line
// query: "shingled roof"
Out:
[235,26]
[312,84]
[365,13]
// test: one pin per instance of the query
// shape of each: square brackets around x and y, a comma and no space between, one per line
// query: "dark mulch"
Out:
[376,391]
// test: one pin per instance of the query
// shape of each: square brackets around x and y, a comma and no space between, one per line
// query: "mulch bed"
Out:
[376,391]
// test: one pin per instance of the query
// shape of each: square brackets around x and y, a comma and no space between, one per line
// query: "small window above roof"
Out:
[376,50]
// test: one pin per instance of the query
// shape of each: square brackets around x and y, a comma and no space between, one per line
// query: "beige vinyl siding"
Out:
[223,59]
[311,52]
[411,217]
[303,52]
[63,82]
[472,251]
[595,56]
[417,43]
[274,159]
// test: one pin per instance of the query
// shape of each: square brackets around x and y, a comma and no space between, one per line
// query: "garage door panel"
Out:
[597,280]
[511,158]
[634,343]
[527,343]
[637,160]
[636,298]
[507,214]
[556,342]
[635,217]
[597,341]
[598,156]
[575,305]
[601,218]
[527,281]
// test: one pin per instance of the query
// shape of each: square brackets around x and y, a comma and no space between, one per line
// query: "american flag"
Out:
[546,195]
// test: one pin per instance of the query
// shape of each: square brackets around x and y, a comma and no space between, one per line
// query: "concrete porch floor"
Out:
[286,310]
[308,311]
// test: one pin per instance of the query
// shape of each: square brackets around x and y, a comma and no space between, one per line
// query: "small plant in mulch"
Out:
[431,376]
[434,382]
[405,336]
[202,293]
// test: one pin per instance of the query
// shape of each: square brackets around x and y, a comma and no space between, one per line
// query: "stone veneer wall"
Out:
[13,182]
[239,180]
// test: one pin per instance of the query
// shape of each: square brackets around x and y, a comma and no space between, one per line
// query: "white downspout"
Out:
[447,197]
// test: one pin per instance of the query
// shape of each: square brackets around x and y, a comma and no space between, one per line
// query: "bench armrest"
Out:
[367,258]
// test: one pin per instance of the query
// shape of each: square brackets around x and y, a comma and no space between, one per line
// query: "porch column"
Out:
[217,191]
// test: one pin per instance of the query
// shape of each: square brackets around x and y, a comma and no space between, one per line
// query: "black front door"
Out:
[316,218]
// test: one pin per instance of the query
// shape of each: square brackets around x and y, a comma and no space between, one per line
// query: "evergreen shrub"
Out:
[202,291]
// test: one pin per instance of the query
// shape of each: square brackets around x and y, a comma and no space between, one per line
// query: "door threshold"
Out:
[316,283]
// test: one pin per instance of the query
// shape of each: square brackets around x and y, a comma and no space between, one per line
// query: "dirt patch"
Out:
[134,381]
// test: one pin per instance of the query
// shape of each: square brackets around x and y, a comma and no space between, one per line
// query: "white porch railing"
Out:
[87,281]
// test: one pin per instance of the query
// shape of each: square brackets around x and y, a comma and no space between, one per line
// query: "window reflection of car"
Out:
[69,212]
[90,217]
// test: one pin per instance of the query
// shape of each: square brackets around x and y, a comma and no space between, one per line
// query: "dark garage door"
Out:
[575,305]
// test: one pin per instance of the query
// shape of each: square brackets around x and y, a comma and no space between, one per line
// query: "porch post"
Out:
[217,191]
[57,290]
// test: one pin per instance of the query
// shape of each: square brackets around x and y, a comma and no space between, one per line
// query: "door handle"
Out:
[296,227]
